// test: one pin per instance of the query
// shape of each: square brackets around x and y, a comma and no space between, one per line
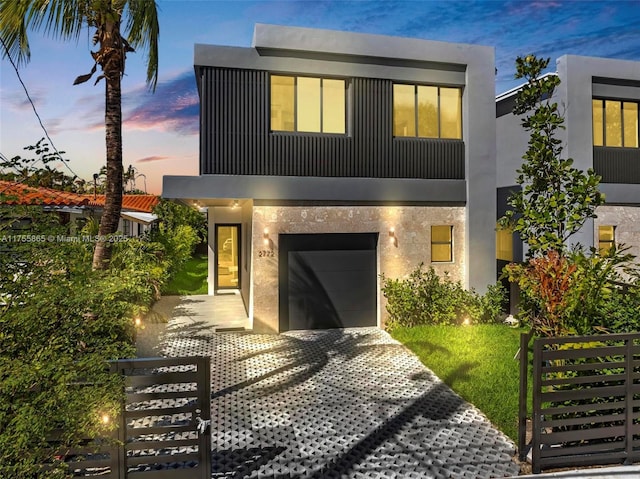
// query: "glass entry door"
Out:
[228,256]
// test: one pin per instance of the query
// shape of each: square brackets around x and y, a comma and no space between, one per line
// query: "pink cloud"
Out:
[149,159]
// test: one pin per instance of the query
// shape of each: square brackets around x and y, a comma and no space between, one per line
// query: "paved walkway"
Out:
[349,403]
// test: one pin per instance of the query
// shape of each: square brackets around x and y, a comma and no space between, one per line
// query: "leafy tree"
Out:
[179,229]
[36,171]
[171,214]
[66,19]
[555,198]
[563,290]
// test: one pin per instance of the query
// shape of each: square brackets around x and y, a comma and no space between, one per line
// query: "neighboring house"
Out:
[599,99]
[73,208]
[329,158]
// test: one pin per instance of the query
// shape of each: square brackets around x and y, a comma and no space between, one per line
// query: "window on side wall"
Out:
[441,244]
[427,111]
[606,238]
[615,123]
[308,104]
[504,243]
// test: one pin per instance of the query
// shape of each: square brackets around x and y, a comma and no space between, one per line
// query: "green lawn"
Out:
[476,362]
[191,279]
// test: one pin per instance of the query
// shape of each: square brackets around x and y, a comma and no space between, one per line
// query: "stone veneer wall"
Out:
[626,219]
[412,228]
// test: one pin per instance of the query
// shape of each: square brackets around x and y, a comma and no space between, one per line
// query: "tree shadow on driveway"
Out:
[342,403]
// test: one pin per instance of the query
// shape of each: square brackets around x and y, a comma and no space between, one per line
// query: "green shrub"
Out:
[493,303]
[426,298]
[179,230]
[579,294]
[59,324]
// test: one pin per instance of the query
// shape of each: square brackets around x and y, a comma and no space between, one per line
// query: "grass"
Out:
[475,361]
[191,279]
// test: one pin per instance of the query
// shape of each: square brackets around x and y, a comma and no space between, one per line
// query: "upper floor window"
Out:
[615,123]
[308,104]
[427,111]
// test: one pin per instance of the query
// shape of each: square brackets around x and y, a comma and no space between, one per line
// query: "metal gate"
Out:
[164,431]
[586,400]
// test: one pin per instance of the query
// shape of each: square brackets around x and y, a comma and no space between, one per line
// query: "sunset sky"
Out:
[160,129]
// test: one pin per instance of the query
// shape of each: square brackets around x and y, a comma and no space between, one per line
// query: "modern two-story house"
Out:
[330,158]
[599,99]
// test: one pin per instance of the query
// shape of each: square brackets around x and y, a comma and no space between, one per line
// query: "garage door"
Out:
[327,281]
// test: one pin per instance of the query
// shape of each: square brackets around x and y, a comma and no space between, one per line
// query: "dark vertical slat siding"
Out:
[617,165]
[235,136]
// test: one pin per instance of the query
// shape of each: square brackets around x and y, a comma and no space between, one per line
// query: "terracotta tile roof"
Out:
[142,203]
[18,194]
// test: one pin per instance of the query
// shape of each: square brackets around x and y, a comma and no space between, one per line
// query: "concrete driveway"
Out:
[342,403]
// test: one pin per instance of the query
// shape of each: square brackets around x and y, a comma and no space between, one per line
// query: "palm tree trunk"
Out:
[113,189]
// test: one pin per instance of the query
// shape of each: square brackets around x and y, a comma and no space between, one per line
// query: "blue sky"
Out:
[160,131]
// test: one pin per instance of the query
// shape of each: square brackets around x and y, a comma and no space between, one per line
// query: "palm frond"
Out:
[58,18]
[143,34]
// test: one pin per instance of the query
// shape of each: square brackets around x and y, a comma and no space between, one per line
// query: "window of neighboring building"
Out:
[615,123]
[504,244]
[427,111]
[442,244]
[606,238]
[307,104]
[126,227]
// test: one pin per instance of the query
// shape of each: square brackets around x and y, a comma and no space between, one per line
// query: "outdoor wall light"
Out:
[392,237]
[265,236]
[235,204]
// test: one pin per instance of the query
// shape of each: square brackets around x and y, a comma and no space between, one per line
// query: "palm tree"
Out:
[66,19]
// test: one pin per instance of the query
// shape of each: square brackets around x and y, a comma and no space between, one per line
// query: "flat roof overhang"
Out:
[217,190]
[621,194]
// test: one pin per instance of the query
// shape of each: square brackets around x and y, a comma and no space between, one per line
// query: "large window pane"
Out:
[308,108]
[404,113]
[333,106]
[428,111]
[282,103]
[613,121]
[598,126]
[630,120]
[450,113]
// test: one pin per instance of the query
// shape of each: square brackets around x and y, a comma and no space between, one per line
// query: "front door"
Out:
[228,256]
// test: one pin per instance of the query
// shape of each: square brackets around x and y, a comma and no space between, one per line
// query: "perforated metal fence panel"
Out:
[164,431]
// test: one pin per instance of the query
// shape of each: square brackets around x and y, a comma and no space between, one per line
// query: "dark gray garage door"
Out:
[327,280]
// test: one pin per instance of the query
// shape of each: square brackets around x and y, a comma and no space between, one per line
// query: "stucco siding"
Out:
[626,219]
[412,225]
